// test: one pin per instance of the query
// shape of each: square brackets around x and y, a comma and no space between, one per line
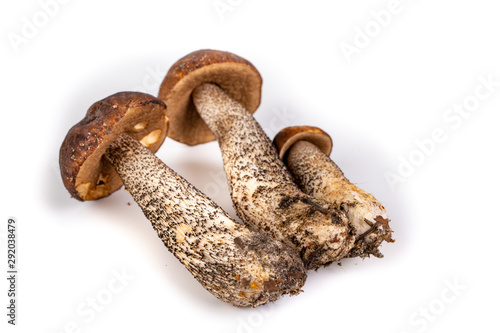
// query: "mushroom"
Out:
[110,145]
[305,149]
[211,95]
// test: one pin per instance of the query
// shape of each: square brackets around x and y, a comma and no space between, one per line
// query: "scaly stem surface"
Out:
[318,176]
[263,192]
[235,264]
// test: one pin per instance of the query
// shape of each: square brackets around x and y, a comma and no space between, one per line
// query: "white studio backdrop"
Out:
[408,90]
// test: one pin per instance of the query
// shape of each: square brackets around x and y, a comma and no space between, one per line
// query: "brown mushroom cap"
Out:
[235,75]
[289,135]
[85,173]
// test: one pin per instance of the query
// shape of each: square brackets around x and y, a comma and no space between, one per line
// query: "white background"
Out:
[397,89]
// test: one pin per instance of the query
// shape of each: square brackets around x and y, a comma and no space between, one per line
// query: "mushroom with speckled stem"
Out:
[110,146]
[211,95]
[306,150]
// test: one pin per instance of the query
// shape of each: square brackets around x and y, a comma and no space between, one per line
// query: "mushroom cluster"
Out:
[298,215]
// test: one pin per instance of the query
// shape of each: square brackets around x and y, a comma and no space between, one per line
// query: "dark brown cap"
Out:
[289,135]
[235,75]
[85,173]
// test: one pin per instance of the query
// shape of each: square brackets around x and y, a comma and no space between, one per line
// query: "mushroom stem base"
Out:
[317,175]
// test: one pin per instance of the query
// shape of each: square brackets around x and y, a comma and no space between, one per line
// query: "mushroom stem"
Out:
[317,175]
[263,192]
[235,264]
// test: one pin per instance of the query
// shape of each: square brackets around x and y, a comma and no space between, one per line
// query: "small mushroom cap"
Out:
[85,173]
[289,135]
[235,75]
